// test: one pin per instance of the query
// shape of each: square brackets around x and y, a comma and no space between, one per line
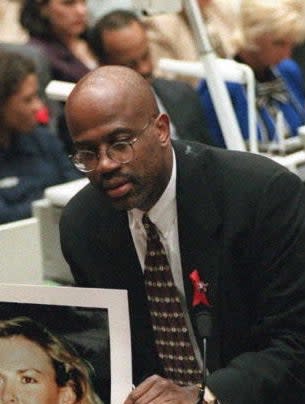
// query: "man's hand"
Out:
[157,390]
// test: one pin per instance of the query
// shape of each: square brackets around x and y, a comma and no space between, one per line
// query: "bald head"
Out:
[120,137]
[108,91]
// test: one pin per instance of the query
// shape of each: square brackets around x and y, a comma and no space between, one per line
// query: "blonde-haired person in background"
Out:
[266,34]
[171,35]
[38,367]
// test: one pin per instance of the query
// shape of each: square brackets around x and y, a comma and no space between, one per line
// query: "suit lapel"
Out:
[200,251]
[200,227]
[198,222]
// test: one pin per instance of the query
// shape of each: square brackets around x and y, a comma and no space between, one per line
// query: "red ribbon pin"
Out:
[199,288]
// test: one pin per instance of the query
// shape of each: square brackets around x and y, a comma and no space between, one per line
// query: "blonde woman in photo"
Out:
[36,367]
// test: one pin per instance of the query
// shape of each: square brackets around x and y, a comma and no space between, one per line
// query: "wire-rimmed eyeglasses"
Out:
[121,152]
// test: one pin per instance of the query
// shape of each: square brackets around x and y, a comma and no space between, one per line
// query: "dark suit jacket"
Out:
[241,222]
[183,105]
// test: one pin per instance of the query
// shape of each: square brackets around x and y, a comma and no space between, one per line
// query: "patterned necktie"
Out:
[171,333]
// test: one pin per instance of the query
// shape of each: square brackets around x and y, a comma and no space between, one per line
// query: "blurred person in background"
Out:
[31,157]
[119,38]
[268,31]
[171,36]
[59,28]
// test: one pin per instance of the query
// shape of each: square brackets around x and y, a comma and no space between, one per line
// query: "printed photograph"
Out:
[57,353]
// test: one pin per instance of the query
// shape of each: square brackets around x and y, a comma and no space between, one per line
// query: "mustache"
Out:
[108,180]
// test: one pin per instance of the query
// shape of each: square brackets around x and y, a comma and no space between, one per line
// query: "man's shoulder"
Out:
[87,196]
[228,177]
[90,205]
[224,162]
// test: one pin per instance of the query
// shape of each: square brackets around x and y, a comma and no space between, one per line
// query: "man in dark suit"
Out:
[235,219]
[119,38]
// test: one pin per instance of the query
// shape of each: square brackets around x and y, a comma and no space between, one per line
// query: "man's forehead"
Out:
[99,88]
[87,115]
[93,100]
[109,79]
[106,116]
[113,91]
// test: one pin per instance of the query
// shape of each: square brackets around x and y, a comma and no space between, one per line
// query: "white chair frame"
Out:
[21,258]
[243,74]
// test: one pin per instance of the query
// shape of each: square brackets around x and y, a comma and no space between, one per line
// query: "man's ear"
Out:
[67,395]
[162,124]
